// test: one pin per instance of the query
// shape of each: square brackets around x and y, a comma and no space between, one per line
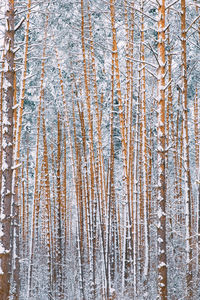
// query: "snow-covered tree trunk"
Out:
[144,148]
[1,100]
[7,153]
[48,221]
[161,226]
[187,186]
[198,216]
[16,160]
[59,247]
[135,197]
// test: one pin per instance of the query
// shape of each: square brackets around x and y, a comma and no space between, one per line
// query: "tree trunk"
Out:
[186,154]
[161,227]
[7,153]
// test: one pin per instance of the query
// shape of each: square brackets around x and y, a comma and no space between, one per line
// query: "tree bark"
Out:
[7,153]
[161,227]
[186,154]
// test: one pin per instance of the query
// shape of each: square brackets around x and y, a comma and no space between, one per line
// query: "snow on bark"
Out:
[7,151]
[161,201]
[186,164]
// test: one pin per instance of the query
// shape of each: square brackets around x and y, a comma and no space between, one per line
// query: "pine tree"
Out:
[7,152]
[161,227]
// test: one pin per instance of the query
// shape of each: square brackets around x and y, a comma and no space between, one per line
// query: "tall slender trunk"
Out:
[49,236]
[18,128]
[161,227]
[197,161]
[7,153]
[144,149]
[1,118]
[59,247]
[186,154]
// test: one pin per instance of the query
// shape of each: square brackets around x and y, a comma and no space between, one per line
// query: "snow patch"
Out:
[160,213]
[162,264]
[4,166]
[5,120]
[6,84]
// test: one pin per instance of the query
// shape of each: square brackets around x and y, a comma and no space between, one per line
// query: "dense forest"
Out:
[99,149]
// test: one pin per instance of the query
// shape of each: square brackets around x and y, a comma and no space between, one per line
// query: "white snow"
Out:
[4,166]
[160,213]
[15,106]
[2,250]
[160,240]
[16,166]
[1,271]
[4,144]
[5,130]
[2,216]
[5,120]
[161,284]
[162,264]
[6,67]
